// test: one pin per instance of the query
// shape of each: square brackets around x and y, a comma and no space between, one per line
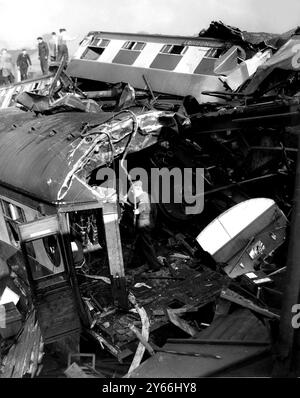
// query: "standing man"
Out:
[63,51]
[43,55]
[23,63]
[53,46]
[6,67]
[145,212]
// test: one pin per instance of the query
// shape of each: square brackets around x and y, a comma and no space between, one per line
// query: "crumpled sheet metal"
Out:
[218,29]
[95,149]
[43,104]
[286,58]
[246,69]
[42,156]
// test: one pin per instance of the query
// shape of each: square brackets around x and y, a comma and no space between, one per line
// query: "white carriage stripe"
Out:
[148,54]
[111,50]
[80,50]
[191,59]
[188,63]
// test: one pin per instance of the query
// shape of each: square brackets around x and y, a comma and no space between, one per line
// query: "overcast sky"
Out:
[23,20]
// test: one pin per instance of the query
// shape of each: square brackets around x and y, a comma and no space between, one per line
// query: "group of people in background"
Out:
[55,51]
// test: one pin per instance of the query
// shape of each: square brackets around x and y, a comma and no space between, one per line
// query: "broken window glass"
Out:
[13,215]
[92,53]
[96,48]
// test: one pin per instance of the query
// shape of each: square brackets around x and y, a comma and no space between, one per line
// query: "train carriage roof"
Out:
[37,154]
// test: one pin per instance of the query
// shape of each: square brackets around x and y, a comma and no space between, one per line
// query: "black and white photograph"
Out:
[149,192]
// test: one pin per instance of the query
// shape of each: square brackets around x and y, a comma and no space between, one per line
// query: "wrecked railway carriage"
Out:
[221,285]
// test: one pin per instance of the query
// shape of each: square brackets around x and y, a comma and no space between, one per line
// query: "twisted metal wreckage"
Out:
[225,281]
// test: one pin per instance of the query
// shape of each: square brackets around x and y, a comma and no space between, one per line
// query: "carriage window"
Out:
[134,45]
[52,264]
[94,51]
[13,215]
[52,249]
[97,42]
[214,52]
[173,49]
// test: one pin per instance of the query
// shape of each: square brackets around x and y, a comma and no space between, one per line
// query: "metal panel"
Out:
[206,67]
[126,57]
[166,61]
[39,228]
[37,157]
[181,40]
[161,81]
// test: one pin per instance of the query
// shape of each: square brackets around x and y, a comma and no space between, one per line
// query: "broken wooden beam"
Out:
[145,334]
[182,324]
[219,342]
[115,351]
[10,320]
[230,295]
[142,340]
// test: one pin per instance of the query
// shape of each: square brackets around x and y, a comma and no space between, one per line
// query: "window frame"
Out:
[131,45]
[167,49]
[213,50]
[99,42]
[10,222]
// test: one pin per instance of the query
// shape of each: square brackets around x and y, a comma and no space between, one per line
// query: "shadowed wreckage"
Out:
[226,102]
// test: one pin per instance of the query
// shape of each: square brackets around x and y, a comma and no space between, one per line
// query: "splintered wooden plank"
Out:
[17,362]
[36,350]
[230,295]
[181,323]
[145,334]
[114,350]
[31,343]
[9,363]
[16,356]
[25,347]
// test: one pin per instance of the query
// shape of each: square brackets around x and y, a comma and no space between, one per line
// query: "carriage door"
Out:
[52,288]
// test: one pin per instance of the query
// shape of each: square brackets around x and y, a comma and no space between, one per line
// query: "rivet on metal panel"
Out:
[70,136]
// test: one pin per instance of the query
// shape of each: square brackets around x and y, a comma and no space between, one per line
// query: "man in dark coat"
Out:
[43,55]
[23,63]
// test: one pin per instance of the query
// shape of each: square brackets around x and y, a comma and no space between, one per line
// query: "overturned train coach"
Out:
[173,65]
[47,199]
